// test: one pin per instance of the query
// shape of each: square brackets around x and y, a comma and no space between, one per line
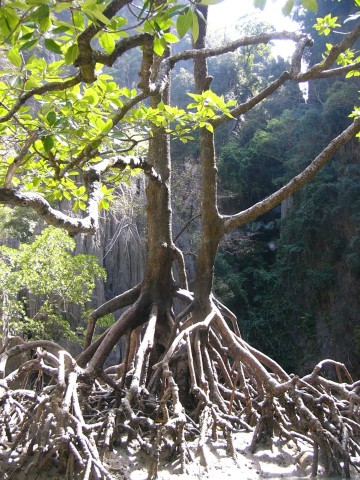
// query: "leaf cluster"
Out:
[48,273]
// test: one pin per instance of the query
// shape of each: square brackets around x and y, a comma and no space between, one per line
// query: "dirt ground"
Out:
[280,462]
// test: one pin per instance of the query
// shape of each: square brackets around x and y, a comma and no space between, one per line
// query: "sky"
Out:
[229,12]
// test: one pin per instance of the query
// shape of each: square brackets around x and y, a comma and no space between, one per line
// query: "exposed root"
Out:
[53,412]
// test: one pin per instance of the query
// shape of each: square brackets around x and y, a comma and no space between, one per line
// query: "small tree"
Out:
[65,119]
[48,279]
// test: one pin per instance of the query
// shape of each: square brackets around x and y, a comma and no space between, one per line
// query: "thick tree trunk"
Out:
[158,283]
[158,278]
[158,286]
[211,225]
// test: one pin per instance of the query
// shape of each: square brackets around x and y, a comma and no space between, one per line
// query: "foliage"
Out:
[48,270]
[281,296]
[17,223]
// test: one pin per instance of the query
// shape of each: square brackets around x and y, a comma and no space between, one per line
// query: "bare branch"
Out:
[246,106]
[186,226]
[122,162]
[44,210]
[232,46]
[122,300]
[121,47]
[335,71]
[233,221]
[321,70]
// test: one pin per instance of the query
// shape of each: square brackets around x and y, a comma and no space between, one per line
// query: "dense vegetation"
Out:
[293,280]
[72,132]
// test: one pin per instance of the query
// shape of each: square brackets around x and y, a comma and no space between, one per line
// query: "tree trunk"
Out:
[211,225]
[158,286]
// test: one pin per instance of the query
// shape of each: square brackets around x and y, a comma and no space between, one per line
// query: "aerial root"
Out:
[47,427]
[73,420]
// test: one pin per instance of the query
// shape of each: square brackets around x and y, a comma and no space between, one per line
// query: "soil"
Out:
[279,462]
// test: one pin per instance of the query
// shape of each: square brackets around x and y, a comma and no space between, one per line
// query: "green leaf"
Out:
[260,4]
[11,17]
[29,45]
[36,181]
[37,2]
[107,42]
[48,143]
[78,19]
[91,96]
[107,127]
[80,191]
[42,12]
[210,2]
[45,24]
[195,26]
[71,54]
[32,82]
[94,13]
[61,29]
[287,8]
[100,16]
[310,5]
[14,57]
[170,38]
[51,117]
[52,46]
[60,6]
[158,47]
[184,23]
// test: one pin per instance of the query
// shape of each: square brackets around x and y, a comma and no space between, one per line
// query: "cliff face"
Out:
[118,245]
[320,265]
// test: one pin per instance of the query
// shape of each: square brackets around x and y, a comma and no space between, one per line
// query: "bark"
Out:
[211,226]
[157,287]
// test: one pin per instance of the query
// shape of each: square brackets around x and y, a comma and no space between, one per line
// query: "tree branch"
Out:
[48,87]
[86,59]
[50,215]
[121,47]
[348,41]
[128,161]
[318,71]
[333,71]
[122,300]
[19,159]
[236,44]
[233,221]
[92,178]
[246,106]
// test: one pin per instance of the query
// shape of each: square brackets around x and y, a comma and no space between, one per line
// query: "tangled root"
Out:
[53,412]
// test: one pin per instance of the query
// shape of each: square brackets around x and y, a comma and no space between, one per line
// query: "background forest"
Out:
[292,277]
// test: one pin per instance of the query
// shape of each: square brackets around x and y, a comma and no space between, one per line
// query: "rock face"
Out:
[118,244]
